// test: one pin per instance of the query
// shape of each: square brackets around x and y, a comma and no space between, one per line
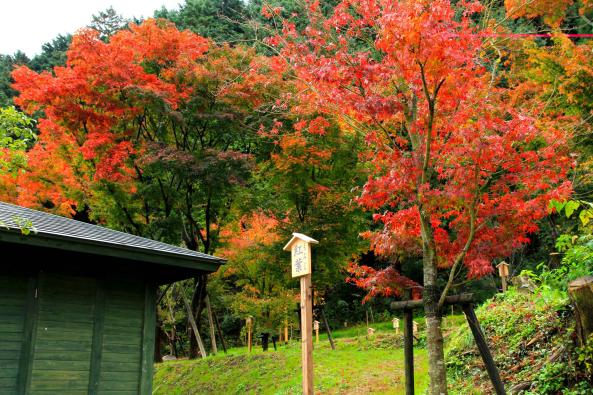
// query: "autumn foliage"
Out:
[446,141]
[149,130]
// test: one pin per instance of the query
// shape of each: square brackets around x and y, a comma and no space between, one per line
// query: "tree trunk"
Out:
[434,340]
[581,294]
[431,296]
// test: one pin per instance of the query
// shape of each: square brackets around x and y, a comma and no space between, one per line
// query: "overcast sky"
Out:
[27,24]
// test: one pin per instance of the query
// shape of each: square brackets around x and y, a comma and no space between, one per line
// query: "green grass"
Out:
[358,365]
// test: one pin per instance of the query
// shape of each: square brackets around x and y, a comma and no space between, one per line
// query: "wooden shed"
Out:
[77,304]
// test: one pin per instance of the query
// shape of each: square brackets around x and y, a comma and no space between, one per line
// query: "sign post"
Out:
[503,272]
[300,249]
[249,322]
[395,322]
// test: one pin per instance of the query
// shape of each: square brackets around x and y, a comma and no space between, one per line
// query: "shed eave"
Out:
[113,250]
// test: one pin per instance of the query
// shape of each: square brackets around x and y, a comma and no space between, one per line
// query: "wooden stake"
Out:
[306,334]
[192,321]
[211,323]
[474,325]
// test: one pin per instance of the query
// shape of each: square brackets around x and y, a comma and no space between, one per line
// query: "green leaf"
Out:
[585,216]
[571,206]
[556,205]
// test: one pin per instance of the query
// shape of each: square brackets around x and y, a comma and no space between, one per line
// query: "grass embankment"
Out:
[357,366]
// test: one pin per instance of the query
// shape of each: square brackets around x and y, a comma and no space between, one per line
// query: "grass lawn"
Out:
[357,366]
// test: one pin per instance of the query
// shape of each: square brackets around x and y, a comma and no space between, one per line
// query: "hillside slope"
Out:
[532,340]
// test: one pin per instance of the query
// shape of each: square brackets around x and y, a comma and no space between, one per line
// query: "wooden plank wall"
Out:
[122,338]
[13,307]
[64,334]
[82,335]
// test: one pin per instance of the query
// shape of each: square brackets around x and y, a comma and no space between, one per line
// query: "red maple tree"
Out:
[458,175]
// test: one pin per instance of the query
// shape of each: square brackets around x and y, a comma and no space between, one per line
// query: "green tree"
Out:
[107,23]
[7,64]
[220,20]
[16,136]
[53,53]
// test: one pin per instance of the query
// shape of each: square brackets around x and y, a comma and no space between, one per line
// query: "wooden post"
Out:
[192,321]
[581,295]
[249,322]
[306,338]
[211,324]
[409,351]
[316,328]
[327,328]
[300,249]
[286,332]
[474,325]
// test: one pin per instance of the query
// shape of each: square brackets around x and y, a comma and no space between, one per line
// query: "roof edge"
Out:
[113,250]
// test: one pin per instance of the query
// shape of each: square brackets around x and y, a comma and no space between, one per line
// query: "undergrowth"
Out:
[531,338]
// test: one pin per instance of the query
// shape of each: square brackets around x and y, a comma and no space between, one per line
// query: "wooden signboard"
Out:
[300,250]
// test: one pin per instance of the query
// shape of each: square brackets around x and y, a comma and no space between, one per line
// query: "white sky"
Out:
[27,24]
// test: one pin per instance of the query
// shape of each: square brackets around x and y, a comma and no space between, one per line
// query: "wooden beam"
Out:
[491,368]
[192,321]
[148,335]
[219,331]
[211,324]
[29,333]
[416,304]
[97,344]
